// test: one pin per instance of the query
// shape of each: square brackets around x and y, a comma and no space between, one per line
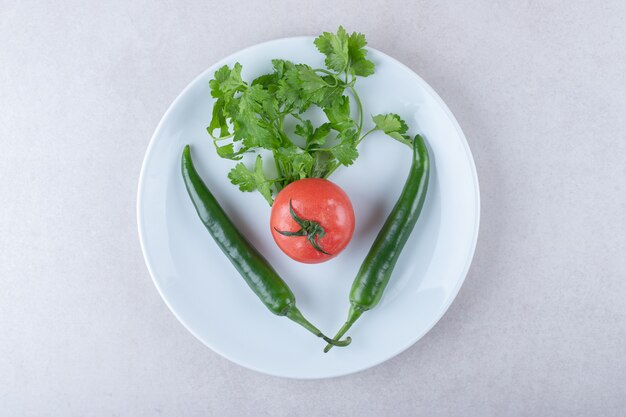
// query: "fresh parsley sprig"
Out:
[248,117]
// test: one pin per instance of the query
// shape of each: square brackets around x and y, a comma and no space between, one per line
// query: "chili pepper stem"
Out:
[353,315]
[295,315]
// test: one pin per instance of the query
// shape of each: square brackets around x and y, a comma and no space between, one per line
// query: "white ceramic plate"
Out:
[208,296]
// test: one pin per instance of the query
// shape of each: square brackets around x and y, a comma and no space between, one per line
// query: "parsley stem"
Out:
[335,165]
[366,133]
[332,74]
[358,102]
[280,123]
[278,183]
[222,137]
[333,85]
[325,72]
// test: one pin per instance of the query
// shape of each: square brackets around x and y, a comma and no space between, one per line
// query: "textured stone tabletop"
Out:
[539,327]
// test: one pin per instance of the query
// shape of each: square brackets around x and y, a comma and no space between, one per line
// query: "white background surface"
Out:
[539,328]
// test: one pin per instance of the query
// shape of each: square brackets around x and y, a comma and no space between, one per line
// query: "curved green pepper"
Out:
[253,267]
[373,277]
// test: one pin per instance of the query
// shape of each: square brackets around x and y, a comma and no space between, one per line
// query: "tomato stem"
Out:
[312,230]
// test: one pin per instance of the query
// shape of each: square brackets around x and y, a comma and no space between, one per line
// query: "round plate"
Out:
[208,296]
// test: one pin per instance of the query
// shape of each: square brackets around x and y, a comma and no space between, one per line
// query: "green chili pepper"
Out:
[253,267]
[373,277]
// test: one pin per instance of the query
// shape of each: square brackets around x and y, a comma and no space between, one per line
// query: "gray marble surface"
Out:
[538,329]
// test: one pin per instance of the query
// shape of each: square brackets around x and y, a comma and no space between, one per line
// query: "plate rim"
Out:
[453,294]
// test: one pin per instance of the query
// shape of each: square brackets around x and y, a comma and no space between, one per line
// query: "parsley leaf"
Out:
[289,90]
[228,151]
[248,126]
[305,129]
[312,84]
[313,137]
[339,114]
[335,47]
[359,64]
[319,135]
[218,119]
[394,126]
[295,162]
[243,178]
[252,180]
[345,151]
[262,183]
[247,117]
[322,162]
[226,81]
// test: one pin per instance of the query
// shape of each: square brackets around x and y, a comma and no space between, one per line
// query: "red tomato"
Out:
[326,212]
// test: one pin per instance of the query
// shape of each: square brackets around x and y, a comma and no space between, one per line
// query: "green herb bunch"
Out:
[248,117]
